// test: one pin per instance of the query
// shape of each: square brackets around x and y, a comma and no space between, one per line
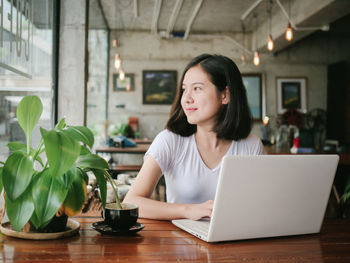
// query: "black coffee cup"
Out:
[120,219]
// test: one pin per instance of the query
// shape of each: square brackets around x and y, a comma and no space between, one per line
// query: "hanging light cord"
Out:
[324,27]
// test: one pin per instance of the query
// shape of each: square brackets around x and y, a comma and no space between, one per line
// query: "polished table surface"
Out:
[139,149]
[160,241]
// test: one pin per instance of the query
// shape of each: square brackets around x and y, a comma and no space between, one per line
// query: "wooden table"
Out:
[344,157]
[142,141]
[139,149]
[160,241]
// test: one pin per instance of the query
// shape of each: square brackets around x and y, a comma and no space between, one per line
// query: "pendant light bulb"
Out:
[256,59]
[289,32]
[117,62]
[121,74]
[270,43]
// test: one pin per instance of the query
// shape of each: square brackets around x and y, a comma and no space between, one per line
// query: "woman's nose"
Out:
[187,96]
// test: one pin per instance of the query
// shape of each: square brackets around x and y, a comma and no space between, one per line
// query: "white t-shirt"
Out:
[188,179]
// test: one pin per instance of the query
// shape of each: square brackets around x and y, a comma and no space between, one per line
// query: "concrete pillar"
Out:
[72,71]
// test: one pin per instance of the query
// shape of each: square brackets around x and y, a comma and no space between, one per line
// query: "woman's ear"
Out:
[225,95]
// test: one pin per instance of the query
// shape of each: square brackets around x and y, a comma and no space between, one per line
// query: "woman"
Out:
[209,119]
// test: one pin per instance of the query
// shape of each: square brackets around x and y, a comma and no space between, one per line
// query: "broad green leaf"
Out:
[37,223]
[80,133]
[17,146]
[92,161]
[84,150]
[17,173]
[76,194]
[102,184]
[61,151]
[61,124]
[28,114]
[48,195]
[85,176]
[67,178]
[35,220]
[20,211]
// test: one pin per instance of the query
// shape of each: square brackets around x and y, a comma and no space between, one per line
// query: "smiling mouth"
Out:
[191,109]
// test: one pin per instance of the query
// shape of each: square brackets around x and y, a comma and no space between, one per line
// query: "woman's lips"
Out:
[190,110]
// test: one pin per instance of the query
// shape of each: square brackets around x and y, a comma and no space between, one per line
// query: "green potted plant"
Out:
[345,199]
[43,183]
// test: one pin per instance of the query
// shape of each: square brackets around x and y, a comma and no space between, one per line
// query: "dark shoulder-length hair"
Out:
[234,121]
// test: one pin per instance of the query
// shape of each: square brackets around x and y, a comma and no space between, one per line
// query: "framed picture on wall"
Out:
[253,85]
[159,86]
[126,84]
[291,94]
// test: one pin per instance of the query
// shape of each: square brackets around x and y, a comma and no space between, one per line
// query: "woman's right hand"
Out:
[198,211]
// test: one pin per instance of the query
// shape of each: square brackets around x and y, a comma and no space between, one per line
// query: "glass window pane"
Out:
[25,65]
[96,114]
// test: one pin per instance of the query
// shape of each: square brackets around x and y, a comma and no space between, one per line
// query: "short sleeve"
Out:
[162,150]
[255,145]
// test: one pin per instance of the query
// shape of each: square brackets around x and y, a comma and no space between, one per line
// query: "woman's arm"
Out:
[141,192]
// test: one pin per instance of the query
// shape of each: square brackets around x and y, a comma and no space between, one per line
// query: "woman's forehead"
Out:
[196,74]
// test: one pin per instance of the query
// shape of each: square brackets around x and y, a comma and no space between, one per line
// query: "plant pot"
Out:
[71,229]
[57,224]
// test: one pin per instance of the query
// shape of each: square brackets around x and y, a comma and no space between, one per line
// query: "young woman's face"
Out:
[200,100]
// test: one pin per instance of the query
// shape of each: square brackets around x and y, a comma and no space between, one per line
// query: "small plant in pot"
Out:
[49,183]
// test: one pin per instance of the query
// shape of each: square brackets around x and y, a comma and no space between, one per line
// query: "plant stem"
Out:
[38,150]
[110,179]
[28,144]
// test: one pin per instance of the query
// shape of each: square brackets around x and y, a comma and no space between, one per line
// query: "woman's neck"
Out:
[210,148]
[207,138]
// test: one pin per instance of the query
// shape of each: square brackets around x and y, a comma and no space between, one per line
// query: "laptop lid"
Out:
[271,195]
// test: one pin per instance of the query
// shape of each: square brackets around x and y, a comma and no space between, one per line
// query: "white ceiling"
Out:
[225,17]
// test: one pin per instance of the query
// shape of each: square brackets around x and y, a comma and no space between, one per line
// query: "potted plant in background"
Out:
[345,199]
[49,182]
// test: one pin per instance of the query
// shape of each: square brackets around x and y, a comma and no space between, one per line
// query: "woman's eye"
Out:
[197,88]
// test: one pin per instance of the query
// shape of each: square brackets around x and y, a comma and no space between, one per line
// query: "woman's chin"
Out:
[191,121]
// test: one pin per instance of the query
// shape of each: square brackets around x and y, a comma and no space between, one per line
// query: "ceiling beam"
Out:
[322,27]
[136,9]
[193,16]
[250,9]
[313,11]
[155,18]
[173,17]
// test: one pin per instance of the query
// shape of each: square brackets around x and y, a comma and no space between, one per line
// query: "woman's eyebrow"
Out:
[194,83]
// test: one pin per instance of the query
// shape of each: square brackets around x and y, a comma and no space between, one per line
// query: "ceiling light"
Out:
[289,32]
[270,43]
[270,40]
[117,61]
[256,59]
[121,74]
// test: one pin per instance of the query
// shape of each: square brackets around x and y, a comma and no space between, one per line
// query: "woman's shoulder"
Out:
[251,145]
[166,134]
[168,137]
[252,138]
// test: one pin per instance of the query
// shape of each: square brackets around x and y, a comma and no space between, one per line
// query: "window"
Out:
[26,64]
[97,88]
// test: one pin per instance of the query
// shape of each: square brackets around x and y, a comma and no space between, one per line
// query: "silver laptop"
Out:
[267,196]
